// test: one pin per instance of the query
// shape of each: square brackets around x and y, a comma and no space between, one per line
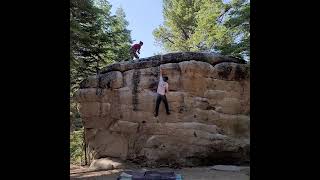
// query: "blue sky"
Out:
[143,17]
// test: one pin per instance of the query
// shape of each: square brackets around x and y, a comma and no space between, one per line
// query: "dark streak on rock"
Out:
[224,71]
[135,82]
[241,73]
[211,108]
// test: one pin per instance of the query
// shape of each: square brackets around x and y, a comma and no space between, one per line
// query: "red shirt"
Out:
[136,47]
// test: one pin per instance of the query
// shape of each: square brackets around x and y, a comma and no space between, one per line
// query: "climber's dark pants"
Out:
[164,99]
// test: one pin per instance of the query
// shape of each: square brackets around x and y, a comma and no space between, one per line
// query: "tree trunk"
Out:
[85,147]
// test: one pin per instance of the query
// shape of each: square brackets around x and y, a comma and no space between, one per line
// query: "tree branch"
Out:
[166,38]
[219,19]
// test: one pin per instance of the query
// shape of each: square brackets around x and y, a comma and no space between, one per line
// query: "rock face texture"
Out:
[209,100]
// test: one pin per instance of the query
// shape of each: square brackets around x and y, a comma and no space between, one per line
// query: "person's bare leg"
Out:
[136,56]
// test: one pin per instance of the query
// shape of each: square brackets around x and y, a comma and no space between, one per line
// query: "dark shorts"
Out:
[133,54]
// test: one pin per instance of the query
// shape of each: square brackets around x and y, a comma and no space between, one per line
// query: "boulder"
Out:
[209,101]
[106,164]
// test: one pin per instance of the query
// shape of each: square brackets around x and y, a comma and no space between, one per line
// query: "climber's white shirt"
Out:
[162,87]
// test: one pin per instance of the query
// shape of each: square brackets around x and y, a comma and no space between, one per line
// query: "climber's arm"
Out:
[161,74]
[167,88]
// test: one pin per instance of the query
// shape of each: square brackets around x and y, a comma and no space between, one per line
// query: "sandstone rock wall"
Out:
[209,99]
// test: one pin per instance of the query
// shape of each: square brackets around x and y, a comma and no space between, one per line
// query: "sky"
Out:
[143,16]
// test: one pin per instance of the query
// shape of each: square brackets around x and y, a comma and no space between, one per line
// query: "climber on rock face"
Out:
[135,49]
[163,88]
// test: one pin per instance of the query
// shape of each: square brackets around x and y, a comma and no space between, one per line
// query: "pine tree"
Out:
[122,36]
[97,38]
[205,25]
[239,22]
[179,24]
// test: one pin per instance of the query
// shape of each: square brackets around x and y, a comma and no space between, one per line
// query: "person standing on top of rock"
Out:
[163,88]
[135,49]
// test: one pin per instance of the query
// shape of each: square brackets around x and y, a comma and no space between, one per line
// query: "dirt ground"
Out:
[196,173]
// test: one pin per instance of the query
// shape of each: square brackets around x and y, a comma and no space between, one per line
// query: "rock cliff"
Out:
[209,99]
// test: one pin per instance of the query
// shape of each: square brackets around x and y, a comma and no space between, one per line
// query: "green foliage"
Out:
[76,147]
[179,24]
[75,119]
[239,22]
[205,25]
